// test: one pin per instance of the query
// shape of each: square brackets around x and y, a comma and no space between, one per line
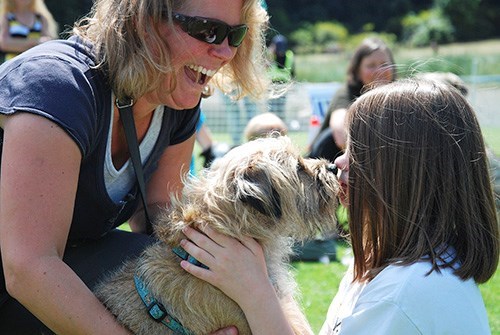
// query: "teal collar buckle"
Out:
[156,310]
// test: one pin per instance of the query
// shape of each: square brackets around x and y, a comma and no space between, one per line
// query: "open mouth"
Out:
[199,74]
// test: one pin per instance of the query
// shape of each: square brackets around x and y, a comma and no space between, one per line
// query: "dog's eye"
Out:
[300,166]
[332,168]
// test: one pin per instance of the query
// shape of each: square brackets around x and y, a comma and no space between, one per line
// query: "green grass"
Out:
[492,138]
[318,284]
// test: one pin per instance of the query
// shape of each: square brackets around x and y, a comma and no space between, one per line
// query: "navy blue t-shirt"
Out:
[57,80]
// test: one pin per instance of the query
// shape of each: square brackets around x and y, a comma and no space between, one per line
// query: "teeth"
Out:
[201,69]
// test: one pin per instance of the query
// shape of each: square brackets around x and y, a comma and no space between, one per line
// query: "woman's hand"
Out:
[237,267]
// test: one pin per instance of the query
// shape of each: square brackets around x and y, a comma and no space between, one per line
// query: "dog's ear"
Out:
[256,189]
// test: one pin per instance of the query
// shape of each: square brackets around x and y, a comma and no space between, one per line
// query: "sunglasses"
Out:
[211,31]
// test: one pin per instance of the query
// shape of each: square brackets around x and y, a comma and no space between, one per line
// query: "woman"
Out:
[422,222]
[66,177]
[371,64]
[24,24]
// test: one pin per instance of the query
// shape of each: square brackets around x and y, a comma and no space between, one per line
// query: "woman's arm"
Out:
[238,269]
[39,174]
[167,180]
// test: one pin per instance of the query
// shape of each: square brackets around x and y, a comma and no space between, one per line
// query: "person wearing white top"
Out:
[422,222]
[401,300]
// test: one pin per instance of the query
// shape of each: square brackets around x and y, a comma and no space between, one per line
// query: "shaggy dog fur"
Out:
[263,189]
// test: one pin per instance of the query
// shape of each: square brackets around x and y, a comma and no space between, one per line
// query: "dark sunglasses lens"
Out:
[207,31]
[236,35]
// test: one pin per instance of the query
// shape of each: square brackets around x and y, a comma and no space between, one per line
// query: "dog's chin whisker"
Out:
[294,201]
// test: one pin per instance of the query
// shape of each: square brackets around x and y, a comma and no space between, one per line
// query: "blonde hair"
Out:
[419,181]
[36,6]
[117,29]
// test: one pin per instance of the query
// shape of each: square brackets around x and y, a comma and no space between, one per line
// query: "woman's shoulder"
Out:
[56,80]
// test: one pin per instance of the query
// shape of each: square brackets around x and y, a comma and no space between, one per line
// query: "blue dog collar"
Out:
[179,251]
[156,310]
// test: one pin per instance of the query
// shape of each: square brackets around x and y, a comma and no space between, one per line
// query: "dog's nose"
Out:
[332,168]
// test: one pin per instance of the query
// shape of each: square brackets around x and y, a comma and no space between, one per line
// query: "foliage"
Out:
[286,15]
[319,37]
[426,27]
[460,20]
[67,12]
[472,19]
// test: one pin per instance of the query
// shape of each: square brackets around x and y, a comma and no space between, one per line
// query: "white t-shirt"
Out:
[403,300]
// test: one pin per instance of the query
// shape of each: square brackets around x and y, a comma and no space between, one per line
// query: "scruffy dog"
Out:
[263,189]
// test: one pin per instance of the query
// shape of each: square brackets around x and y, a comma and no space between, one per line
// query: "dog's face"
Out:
[264,187]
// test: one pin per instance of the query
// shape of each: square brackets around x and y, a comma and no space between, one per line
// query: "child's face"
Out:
[342,163]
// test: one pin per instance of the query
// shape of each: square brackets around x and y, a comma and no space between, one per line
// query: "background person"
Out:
[24,24]
[371,63]
[66,178]
[422,237]
[281,71]
[263,125]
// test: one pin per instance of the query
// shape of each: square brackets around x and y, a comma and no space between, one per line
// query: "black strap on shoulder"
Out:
[127,117]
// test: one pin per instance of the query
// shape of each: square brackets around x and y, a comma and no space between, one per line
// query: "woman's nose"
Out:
[223,51]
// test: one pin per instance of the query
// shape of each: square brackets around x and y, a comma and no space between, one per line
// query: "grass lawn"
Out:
[492,138]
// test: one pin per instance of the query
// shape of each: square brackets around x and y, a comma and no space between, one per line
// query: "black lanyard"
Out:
[127,117]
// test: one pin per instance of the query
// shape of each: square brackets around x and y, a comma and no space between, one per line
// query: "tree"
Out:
[472,19]
[427,27]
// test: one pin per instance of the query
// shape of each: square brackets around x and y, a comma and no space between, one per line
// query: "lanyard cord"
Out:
[125,109]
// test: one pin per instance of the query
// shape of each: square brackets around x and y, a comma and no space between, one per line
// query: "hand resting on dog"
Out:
[238,268]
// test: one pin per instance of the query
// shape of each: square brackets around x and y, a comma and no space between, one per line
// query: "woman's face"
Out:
[195,62]
[377,66]
[342,163]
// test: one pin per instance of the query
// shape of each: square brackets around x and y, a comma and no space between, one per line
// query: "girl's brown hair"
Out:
[118,30]
[419,182]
